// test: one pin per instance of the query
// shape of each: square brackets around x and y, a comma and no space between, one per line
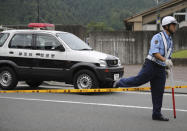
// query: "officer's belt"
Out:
[149,57]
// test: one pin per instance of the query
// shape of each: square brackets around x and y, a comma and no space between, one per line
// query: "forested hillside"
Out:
[106,13]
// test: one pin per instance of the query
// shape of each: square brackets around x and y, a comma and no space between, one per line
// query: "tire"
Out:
[85,79]
[8,78]
[33,83]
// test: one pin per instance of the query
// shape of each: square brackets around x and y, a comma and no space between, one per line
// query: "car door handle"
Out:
[38,54]
[11,52]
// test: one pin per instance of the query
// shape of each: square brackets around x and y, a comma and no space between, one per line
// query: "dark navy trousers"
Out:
[154,73]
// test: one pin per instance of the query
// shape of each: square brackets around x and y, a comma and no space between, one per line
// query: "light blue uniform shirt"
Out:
[157,46]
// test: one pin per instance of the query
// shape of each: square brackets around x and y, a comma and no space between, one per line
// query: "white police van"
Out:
[35,56]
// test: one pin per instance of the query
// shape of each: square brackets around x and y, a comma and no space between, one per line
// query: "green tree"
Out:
[107,14]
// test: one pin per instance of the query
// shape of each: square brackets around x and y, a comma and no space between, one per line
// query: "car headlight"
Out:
[102,63]
[119,62]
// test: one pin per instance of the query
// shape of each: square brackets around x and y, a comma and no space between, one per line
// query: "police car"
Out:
[35,56]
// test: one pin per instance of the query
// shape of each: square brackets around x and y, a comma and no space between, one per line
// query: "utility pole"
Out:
[38,6]
[158,15]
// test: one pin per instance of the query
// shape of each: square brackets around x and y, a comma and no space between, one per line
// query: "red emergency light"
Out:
[40,25]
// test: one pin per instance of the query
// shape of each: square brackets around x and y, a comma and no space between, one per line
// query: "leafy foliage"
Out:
[97,14]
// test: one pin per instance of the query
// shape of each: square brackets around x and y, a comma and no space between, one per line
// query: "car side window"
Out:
[47,42]
[3,38]
[21,41]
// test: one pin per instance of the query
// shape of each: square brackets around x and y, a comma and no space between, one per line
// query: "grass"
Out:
[180,54]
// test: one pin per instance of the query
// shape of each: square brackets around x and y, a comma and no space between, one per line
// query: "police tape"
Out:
[85,90]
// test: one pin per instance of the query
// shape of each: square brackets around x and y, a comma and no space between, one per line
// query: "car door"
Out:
[50,57]
[20,52]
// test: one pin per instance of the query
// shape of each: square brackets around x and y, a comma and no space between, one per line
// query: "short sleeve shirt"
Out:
[157,46]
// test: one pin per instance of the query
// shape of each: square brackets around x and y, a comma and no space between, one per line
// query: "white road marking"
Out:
[88,103]
[149,93]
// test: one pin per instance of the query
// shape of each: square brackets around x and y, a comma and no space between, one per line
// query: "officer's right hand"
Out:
[169,63]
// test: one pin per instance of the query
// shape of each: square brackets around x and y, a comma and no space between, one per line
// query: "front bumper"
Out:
[103,73]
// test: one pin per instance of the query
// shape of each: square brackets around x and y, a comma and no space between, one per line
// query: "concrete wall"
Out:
[130,47]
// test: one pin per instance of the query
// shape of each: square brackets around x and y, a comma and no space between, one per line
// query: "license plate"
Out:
[116,77]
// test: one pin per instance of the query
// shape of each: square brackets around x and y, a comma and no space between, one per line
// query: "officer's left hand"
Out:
[169,63]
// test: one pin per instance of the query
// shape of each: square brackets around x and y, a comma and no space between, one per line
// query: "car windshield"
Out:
[73,41]
[3,38]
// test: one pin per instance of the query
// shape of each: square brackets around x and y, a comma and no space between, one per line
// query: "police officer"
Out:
[154,67]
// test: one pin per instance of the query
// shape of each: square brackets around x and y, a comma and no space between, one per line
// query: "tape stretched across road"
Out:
[84,90]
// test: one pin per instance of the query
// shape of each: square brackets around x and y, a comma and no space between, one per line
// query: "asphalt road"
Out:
[120,111]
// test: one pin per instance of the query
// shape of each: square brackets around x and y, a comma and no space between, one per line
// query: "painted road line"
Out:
[88,103]
[149,93]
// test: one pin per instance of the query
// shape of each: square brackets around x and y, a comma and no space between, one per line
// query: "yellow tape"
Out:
[84,90]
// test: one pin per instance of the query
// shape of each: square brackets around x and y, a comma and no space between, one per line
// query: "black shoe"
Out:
[160,118]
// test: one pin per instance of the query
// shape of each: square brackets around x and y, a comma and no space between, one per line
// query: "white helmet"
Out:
[169,20]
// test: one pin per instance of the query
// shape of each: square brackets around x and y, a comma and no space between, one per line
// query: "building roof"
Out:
[154,9]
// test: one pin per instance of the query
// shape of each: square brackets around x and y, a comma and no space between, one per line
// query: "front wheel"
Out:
[85,79]
[8,79]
